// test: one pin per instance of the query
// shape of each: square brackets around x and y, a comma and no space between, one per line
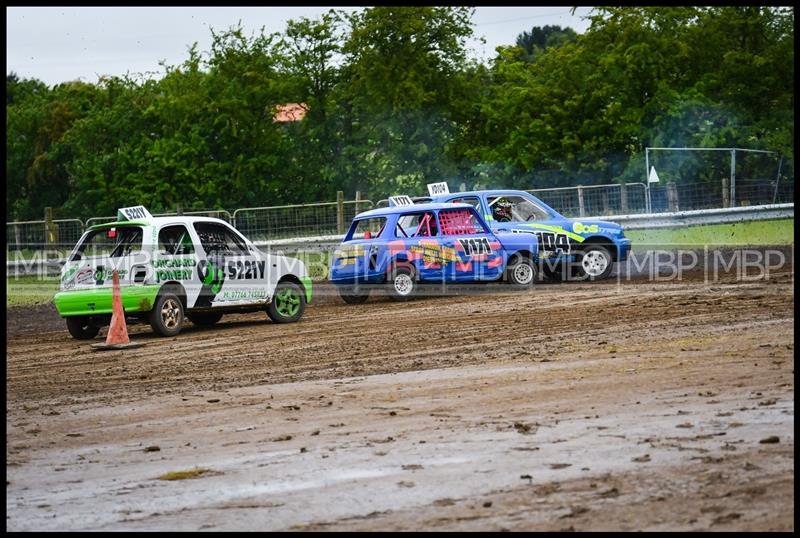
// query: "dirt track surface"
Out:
[605,406]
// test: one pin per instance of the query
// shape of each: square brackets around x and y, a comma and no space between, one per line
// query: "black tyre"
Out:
[401,283]
[166,317]
[205,319]
[594,263]
[557,273]
[81,328]
[353,294]
[288,303]
[521,272]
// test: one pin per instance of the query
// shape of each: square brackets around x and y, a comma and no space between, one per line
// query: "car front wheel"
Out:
[594,263]
[81,328]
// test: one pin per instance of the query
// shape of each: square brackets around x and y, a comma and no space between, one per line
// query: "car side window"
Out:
[218,239]
[460,221]
[175,240]
[474,201]
[417,225]
[515,209]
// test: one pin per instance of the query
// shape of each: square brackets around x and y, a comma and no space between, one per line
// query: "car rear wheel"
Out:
[288,303]
[557,273]
[594,263]
[81,328]
[205,319]
[521,272]
[166,318]
[353,294]
[401,283]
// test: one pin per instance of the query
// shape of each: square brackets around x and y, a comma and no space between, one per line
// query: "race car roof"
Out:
[155,221]
[476,193]
[416,208]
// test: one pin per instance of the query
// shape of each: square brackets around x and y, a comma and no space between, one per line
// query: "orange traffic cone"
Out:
[117,337]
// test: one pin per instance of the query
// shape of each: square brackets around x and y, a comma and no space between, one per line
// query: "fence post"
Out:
[726,193]
[17,241]
[672,196]
[623,198]
[604,198]
[733,178]
[581,209]
[178,209]
[51,232]
[340,212]
[358,200]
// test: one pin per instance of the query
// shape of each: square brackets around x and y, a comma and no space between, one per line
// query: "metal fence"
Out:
[306,220]
[589,200]
[329,218]
[41,235]
[595,200]
[692,196]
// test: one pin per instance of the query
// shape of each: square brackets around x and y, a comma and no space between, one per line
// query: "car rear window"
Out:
[368,228]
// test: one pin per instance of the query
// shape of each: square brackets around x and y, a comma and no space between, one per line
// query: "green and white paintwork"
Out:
[240,280]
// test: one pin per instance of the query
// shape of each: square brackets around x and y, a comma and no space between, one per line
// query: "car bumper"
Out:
[623,249]
[90,302]
[306,281]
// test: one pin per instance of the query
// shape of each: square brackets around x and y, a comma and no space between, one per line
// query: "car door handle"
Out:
[139,274]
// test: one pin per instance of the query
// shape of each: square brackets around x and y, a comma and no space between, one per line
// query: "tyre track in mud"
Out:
[336,340]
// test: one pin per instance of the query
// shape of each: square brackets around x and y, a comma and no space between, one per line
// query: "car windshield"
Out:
[515,209]
[114,242]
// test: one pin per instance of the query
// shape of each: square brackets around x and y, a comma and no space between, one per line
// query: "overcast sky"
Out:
[58,44]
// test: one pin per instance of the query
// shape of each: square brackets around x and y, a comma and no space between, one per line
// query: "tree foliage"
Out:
[393,102]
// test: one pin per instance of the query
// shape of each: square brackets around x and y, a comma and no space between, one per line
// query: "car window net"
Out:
[457,222]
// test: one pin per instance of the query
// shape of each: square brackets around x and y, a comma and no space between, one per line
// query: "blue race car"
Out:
[404,245]
[590,246]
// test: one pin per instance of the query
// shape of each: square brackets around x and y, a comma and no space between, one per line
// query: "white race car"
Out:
[170,268]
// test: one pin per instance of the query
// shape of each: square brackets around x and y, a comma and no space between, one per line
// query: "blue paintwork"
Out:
[559,236]
[480,256]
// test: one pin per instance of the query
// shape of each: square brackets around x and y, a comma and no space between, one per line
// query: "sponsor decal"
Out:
[69,274]
[174,269]
[580,228]
[84,275]
[238,295]
[433,252]
[212,276]
[100,275]
[348,255]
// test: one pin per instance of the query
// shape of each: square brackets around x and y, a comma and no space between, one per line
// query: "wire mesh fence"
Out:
[41,235]
[595,200]
[307,220]
[331,218]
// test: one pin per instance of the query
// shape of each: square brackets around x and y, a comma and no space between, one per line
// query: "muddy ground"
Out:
[631,405]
